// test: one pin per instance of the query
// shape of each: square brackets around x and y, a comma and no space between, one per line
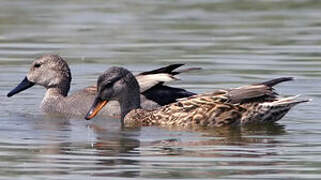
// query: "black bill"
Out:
[24,84]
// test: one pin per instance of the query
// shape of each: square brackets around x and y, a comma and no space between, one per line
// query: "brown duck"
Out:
[255,103]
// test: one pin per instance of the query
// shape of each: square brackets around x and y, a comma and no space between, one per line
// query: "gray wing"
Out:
[256,92]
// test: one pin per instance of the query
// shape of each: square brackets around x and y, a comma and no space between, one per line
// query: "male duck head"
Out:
[49,71]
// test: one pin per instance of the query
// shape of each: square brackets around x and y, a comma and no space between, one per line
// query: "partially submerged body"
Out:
[257,103]
[53,73]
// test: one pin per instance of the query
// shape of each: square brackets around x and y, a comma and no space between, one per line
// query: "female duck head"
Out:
[118,84]
[50,71]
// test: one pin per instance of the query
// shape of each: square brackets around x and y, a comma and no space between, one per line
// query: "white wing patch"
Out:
[148,81]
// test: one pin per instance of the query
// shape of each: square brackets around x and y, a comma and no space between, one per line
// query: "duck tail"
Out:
[276,81]
[288,101]
[274,111]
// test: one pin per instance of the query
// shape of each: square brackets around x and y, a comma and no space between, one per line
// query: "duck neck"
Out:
[54,96]
[130,100]
[62,88]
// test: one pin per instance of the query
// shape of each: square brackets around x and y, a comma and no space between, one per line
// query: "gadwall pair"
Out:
[53,73]
[255,103]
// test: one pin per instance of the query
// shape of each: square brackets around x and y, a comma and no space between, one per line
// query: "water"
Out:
[236,42]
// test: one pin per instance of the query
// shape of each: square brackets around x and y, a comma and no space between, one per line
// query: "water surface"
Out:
[236,42]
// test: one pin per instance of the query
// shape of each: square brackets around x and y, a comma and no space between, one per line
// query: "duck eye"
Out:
[37,65]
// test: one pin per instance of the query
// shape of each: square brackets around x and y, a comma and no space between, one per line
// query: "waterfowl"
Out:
[53,73]
[255,103]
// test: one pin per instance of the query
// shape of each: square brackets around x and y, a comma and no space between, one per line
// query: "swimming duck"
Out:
[255,103]
[53,73]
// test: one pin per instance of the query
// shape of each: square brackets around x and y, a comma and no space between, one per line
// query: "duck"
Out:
[53,73]
[256,103]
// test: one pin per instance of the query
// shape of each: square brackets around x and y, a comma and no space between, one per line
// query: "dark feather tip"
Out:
[276,81]
[167,69]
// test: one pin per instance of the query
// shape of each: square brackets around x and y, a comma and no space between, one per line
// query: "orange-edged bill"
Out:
[95,108]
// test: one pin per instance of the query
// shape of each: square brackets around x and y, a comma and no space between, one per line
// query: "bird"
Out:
[53,73]
[256,103]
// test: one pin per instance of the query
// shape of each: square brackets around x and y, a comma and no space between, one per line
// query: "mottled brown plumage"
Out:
[249,104]
[213,110]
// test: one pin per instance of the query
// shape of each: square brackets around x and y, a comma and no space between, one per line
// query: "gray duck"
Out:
[53,73]
[257,103]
